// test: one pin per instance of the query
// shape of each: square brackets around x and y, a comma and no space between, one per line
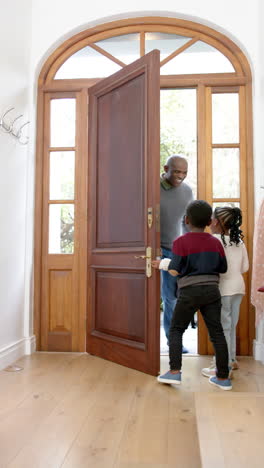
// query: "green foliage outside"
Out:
[178,133]
[67,230]
[169,141]
[168,146]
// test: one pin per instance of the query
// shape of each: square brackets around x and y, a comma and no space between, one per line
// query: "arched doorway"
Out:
[73,286]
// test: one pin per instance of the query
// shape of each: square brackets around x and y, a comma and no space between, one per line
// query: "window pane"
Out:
[226,173]
[126,47]
[199,58]
[226,203]
[62,175]
[87,63]
[61,229]
[178,133]
[166,43]
[225,118]
[62,122]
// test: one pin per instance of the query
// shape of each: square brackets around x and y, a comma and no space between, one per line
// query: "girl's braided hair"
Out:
[230,218]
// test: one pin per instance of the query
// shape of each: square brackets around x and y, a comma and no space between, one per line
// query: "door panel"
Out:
[121,165]
[123,304]
[110,318]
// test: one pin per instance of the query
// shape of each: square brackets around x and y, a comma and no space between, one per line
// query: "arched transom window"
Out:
[178,55]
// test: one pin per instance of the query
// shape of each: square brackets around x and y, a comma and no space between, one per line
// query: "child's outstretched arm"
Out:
[164,265]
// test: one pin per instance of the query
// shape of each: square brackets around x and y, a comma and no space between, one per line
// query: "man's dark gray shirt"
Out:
[173,204]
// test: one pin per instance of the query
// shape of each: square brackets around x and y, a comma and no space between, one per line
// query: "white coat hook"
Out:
[9,127]
[22,140]
[12,124]
[3,125]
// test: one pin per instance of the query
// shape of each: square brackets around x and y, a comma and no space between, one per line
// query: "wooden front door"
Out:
[123,317]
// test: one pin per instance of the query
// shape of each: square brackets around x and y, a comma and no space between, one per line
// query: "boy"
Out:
[197,260]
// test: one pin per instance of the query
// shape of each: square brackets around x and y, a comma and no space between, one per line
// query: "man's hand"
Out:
[173,272]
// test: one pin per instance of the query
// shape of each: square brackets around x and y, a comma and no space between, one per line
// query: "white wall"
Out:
[238,18]
[15,29]
[259,111]
[53,21]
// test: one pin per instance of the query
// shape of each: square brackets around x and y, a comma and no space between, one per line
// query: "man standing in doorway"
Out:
[175,195]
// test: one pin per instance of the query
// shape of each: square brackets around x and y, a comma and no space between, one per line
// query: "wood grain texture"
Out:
[123,313]
[76,410]
[230,429]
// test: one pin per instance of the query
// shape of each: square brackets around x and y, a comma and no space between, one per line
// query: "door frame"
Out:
[47,84]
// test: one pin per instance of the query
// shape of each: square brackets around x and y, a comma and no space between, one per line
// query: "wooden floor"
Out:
[76,410]
[231,429]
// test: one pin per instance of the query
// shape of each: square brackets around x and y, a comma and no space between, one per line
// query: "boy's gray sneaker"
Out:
[170,378]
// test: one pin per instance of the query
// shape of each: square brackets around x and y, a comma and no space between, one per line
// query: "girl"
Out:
[225,226]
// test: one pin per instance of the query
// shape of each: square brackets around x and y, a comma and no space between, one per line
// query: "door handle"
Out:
[148,258]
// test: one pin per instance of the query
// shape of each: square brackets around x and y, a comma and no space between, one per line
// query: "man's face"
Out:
[176,172]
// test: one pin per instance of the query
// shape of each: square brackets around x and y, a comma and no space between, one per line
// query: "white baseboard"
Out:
[15,351]
[258,351]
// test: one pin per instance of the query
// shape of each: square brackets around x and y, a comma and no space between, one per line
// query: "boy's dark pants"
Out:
[207,299]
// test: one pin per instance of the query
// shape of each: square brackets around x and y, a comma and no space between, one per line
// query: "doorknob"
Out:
[148,260]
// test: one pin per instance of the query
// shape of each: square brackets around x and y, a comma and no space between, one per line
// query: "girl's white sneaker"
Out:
[211,371]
